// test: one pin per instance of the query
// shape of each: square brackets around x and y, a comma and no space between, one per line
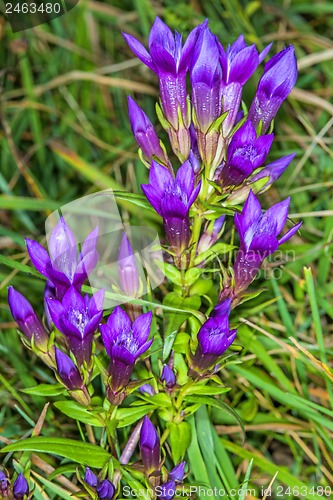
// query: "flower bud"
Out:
[149,447]
[20,487]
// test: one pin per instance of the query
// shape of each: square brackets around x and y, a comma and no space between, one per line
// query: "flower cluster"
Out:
[18,489]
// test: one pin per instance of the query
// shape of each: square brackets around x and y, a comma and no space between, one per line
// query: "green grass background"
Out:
[65,133]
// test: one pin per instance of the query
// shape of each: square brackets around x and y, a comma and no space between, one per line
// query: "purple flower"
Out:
[127,268]
[67,371]
[147,390]
[49,293]
[124,343]
[245,154]
[258,234]
[145,134]
[65,266]
[214,338]
[27,320]
[177,473]
[105,490]
[90,478]
[4,484]
[20,487]
[167,491]
[238,62]
[77,318]
[168,376]
[149,447]
[170,61]
[278,80]
[211,234]
[172,198]
[273,171]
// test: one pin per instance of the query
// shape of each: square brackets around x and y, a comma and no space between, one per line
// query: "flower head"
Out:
[77,318]
[27,320]
[278,80]
[149,447]
[214,338]
[124,342]
[105,490]
[258,234]
[245,154]
[65,266]
[20,487]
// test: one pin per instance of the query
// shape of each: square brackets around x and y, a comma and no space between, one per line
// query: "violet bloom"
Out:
[278,80]
[20,487]
[170,61]
[214,338]
[258,234]
[206,78]
[172,198]
[149,447]
[147,390]
[168,377]
[238,62]
[27,320]
[177,473]
[145,135]
[245,154]
[65,266]
[167,491]
[127,269]
[105,490]
[77,318]
[90,478]
[4,484]
[67,371]
[211,234]
[124,342]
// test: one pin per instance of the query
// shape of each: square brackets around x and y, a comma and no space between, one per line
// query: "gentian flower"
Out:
[127,269]
[49,293]
[168,377]
[77,318]
[206,78]
[214,338]
[4,484]
[273,171]
[211,234]
[238,62]
[90,478]
[71,378]
[177,473]
[245,154]
[145,135]
[105,490]
[147,390]
[278,80]
[167,491]
[124,342]
[170,61]
[258,234]
[20,487]
[149,447]
[27,320]
[65,266]
[172,198]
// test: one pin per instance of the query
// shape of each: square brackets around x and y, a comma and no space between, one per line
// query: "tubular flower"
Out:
[211,234]
[77,318]
[245,154]
[172,198]
[206,80]
[71,378]
[127,268]
[258,234]
[27,320]
[65,266]
[105,490]
[170,60]
[238,62]
[90,478]
[145,135]
[278,80]
[168,377]
[214,338]
[124,342]
[20,487]
[149,447]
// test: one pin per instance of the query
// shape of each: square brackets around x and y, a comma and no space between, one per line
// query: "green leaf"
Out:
[206,390]
[180,439]
[82,453]
[128,416]
[45,390]
[78,412]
